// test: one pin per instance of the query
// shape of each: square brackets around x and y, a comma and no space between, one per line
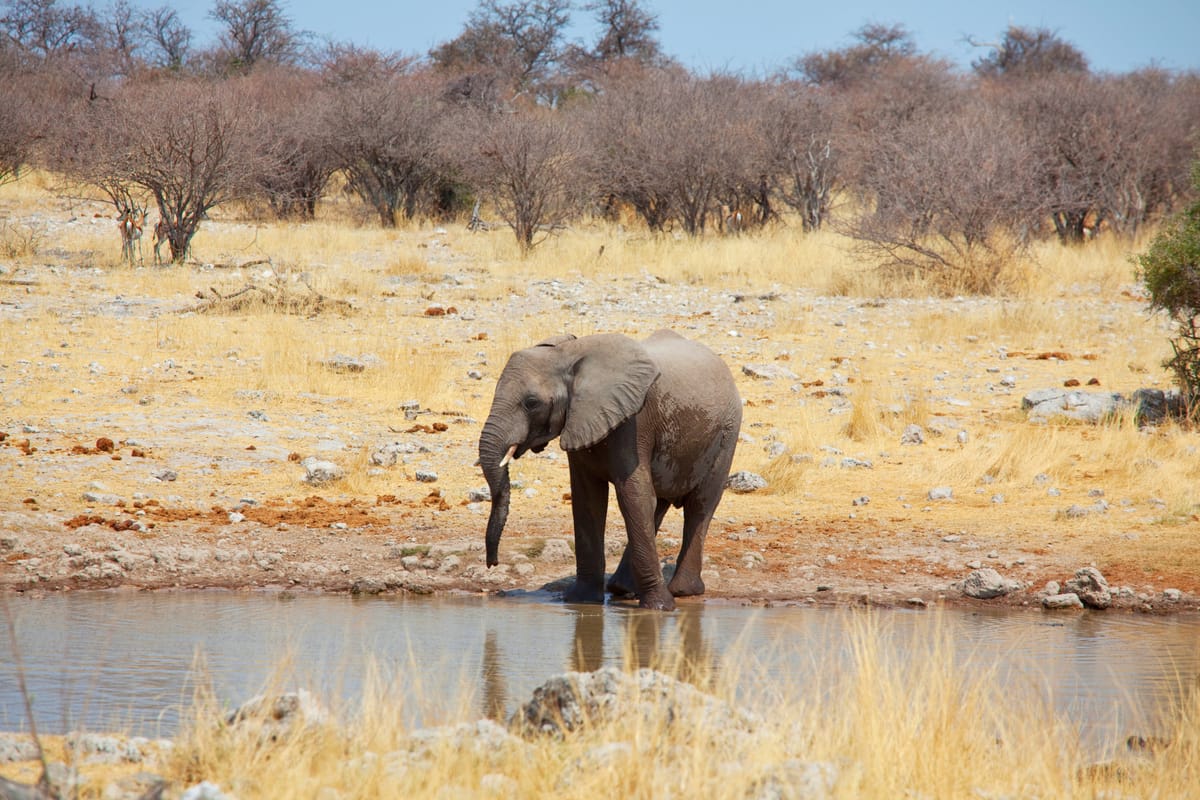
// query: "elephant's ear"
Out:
[611,378]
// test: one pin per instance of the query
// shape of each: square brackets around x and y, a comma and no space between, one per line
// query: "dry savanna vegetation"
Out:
[216,262]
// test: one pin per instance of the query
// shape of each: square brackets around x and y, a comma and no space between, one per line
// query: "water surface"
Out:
[130,660]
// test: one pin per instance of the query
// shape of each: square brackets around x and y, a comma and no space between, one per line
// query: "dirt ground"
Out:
[185,474]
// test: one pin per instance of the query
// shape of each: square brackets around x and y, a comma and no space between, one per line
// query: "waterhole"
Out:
[131,661]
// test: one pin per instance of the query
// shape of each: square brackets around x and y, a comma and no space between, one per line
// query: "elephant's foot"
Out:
[658,599]
[686,585]
[621,585]
[581,592]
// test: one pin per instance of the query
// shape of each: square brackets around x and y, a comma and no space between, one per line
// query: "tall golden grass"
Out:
[878,723]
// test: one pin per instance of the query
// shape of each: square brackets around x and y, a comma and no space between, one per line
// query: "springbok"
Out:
[160,238]
[130,223]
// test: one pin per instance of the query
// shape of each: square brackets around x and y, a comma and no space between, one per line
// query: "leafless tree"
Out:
[957,184]
[255,31]
[877,45]
[627,31]
[627,35]
[122,34]
[1024,52]
[676,147]
[528,164]
[169,39]
[48,28]
[805,148]
[188,144]
[518,42]
[293,105]
[20,122]
[383,130]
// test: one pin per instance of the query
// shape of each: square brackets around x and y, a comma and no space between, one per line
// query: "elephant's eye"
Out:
[531,402]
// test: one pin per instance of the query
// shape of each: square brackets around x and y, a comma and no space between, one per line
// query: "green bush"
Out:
[1170,269]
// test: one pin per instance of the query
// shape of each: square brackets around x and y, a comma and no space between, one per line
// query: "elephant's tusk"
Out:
[508,456]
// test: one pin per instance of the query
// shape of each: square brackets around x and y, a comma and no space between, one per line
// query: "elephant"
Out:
[658,419]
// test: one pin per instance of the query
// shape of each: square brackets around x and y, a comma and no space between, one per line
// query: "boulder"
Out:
[1044,404]
[574,700]
[318,472]
[985,584]
[1064,600]
[1090,587]
[281,714]
[744,482]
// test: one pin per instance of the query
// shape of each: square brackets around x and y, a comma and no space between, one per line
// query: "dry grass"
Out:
[896,355]
[880,724]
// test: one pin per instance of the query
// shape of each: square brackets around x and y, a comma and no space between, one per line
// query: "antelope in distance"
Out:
[130,222]
[160,238]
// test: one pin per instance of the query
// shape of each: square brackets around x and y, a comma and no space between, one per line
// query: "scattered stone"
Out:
[318,472]
[1155,406]
[941,493]
[1065,600]
[367,586]
[426,476]
[855,463]
[1151,406]
[387,455]
[768,372]
[351,364]
[1044,404]
[860,501]
[913,434]
[985,584]
[557,550]
[205,790]
[1091,588]
[1172,595]
[797,780]
[573,700]
[278,715]
[743,482]
[166,475]
[483,495]
[16,747]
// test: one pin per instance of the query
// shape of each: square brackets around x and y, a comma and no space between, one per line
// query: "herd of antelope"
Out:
[130,222]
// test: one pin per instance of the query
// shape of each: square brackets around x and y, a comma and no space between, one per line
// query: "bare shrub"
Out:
[677,148]
[529,164]
[293,105]
[383,127]
[804,149]
[955,185]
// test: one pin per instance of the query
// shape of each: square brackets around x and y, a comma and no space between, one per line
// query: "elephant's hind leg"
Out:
[698,512]
[621,582]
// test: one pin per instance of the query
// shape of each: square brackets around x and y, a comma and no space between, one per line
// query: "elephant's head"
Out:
[576,389]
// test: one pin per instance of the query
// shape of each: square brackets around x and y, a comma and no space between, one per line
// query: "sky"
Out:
[756,37]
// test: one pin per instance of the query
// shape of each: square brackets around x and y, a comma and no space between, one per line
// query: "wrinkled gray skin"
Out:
[657,419]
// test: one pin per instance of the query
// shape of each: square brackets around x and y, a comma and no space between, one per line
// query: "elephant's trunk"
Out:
[494,461]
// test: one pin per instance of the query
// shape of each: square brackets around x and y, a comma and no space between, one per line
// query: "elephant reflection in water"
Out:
[495,692]
[675,645]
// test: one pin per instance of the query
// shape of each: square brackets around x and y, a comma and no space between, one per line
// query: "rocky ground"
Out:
[182,472]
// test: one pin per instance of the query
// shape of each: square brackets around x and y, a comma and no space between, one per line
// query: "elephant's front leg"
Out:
[621,583]
[637,500]
[589,507]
